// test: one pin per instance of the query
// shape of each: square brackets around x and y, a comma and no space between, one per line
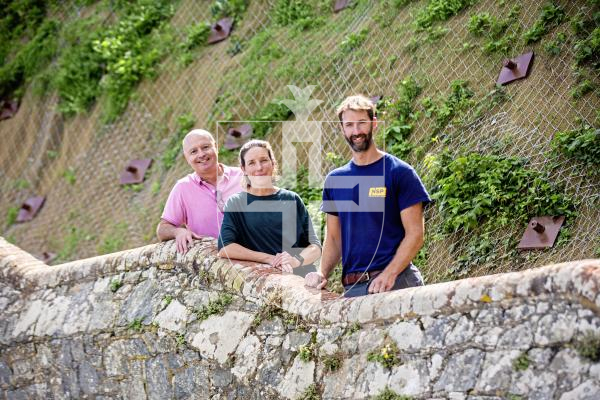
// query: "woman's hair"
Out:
[256,143]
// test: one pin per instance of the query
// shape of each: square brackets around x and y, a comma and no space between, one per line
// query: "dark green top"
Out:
[269,224]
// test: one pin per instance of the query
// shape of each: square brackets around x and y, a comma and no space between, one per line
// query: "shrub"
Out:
[552,15]
[473,189]
[581,144]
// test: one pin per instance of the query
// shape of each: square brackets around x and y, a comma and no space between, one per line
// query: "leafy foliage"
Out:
[587,50]
[112,61]
[388,355]
[214,307]
[29,59]
[185,122]
[311,393]
[228,8]
[553,47]
[79,70]
[589,346]
[581,144]
[440,10]
[473,189]
[115,284]
[196,36]
[458,101]
[266,119]
[332,362]
[353,41]
[400,117]
[301,14]
[552,15]
[494,30]
[389,394]
[521,363]
[11,215]
[129,53]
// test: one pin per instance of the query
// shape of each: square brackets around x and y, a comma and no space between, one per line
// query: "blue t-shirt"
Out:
[368,200]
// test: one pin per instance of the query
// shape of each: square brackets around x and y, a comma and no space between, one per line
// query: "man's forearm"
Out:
[166,231]
[331,256]
[406,252]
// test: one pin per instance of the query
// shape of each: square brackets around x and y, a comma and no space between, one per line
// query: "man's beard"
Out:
[361,147]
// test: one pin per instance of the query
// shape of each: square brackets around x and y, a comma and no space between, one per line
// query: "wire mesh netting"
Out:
[368,48]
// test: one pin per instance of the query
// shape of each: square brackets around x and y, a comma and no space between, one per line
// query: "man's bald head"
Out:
[196,133]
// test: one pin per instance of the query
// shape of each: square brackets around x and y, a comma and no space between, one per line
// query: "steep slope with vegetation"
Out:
[102,82]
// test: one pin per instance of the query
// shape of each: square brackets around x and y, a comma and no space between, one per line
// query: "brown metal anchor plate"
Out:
[135,171]
[516,68]
[220,30]
[541,233]
[237,136]
[30,208]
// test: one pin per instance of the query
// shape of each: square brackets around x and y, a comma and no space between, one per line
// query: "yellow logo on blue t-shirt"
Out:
[377,191]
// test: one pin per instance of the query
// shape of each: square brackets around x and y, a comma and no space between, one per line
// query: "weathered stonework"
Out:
[70,332]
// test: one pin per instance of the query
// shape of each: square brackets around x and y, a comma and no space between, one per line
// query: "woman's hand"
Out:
[285,262]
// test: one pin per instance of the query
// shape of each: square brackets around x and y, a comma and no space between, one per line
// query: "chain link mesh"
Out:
[41,149]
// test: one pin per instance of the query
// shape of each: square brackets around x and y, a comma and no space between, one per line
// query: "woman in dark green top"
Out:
[265,223]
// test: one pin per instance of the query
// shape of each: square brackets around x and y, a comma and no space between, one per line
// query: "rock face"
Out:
[150,324]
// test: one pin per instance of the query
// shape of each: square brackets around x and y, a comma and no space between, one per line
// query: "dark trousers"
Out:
[410,277]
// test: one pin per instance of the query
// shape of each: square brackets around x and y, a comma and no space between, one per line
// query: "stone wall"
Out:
[151,324]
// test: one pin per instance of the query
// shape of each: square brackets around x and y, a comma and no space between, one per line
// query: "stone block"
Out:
[219,336]
[461,372]
[174,317]
[297,379]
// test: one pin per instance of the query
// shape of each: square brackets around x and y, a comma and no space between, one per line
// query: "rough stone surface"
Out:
[68,335]
[297,379]
[174,317]
[219,335]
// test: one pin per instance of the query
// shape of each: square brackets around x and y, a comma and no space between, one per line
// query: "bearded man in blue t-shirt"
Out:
[374,206]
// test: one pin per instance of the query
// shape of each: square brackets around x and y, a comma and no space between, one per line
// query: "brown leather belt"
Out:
[359,277]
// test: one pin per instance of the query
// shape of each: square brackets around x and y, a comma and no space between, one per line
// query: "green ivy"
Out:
[553,47]
[582,144]
[29,59]
[353,41]
[587,50]
[228,8]
[440,10]
[269,116]
[494,30]
[129,53]
[299,13]
[185,122]
[474,189]
[458,101]
[196,36]
[400,116]
[552,15]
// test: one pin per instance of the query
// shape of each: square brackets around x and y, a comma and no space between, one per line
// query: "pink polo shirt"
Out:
[193,202]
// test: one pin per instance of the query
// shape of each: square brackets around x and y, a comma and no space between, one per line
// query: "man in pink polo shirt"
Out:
[195,205]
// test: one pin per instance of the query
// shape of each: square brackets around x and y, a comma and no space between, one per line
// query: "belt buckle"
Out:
[367,275]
